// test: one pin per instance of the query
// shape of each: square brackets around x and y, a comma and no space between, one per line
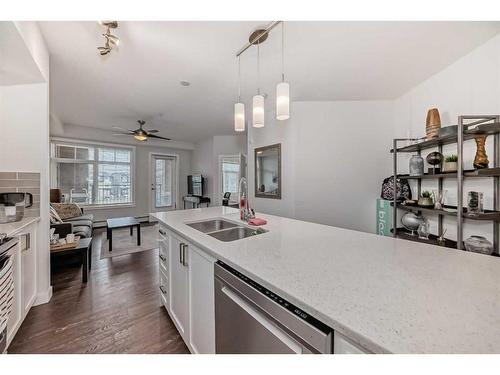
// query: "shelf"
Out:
[486,172]
[483,129]
[405,234]
[488,215]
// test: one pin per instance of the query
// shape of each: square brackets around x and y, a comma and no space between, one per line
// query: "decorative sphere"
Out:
[434,158]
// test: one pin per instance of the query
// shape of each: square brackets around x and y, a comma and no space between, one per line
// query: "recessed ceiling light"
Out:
[185,83]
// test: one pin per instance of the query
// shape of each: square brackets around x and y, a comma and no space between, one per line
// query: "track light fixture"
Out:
[111,41]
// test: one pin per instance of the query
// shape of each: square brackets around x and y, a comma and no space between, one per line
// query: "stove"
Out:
[6,243]
[6,285]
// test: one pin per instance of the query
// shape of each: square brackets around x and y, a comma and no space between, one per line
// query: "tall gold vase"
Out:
[481,159]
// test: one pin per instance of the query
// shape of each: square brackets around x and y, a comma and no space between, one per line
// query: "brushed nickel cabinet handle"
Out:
[184,263]
[180,253]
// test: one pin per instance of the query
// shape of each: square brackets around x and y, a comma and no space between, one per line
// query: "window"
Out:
[230,171]
[90,174]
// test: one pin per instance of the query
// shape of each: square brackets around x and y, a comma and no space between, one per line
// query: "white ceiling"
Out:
[324,61]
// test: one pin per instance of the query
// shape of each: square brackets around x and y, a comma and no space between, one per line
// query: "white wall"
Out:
[142,177]
[206,160]
[469,86]
[334,157]
[24,114]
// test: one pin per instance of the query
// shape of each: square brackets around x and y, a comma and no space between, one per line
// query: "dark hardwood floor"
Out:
[117,311]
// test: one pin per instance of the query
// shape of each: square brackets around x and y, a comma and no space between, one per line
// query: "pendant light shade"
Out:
[282,88]
[239,107]
[239,117]
[258,111]
[282,101]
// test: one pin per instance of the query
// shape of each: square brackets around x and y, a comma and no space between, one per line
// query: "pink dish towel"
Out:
[257,221]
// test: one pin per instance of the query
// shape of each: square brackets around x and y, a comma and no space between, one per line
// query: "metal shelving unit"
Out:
[468,128]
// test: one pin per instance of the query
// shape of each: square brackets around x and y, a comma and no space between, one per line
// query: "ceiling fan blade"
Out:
[157,136]
[125,130]
[153,131]
[126,134]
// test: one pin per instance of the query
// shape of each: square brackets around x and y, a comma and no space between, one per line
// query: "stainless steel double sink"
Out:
[225,230]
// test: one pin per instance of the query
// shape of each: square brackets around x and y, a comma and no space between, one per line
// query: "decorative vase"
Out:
[416,165]
[450,166]
[432,123]
[481,159]
[478,244]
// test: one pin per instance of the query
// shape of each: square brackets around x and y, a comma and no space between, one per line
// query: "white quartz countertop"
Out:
[15,227]
[386,294]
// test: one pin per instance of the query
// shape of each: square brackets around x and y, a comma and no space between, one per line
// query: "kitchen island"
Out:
[385,295]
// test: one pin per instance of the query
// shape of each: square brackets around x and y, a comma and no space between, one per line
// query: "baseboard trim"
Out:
[44,297]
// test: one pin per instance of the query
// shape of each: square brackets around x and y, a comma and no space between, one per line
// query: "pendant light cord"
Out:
[283,51]
[258,67]
[239,80]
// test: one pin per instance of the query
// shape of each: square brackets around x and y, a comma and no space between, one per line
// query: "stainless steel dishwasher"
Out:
[251,319]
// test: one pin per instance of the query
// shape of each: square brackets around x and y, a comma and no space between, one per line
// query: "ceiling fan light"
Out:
[283,101]
[239,117]
[141,137]
[258,111]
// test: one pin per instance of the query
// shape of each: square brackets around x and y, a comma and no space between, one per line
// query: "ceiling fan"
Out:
[140,134]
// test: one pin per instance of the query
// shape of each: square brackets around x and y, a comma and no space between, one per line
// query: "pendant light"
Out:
[239,107]
[258,100]
[283,88]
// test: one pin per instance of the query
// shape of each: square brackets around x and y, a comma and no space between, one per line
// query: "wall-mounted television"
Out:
[196,184]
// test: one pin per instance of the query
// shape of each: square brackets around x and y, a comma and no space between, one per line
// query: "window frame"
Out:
[234,198]
[75,142]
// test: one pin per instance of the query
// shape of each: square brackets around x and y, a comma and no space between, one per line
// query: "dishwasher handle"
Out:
[262,319]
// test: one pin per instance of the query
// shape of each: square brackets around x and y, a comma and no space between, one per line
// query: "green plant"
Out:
[426,194]
[451,158]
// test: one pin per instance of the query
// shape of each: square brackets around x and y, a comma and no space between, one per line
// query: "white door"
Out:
[179,287]
[163,171]
[231,169]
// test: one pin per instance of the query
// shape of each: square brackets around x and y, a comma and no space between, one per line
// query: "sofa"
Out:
[70,218]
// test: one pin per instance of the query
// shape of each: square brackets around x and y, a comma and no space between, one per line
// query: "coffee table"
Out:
[123,222]
[84,249]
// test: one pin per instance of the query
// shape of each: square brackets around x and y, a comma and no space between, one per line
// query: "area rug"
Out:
[124,243]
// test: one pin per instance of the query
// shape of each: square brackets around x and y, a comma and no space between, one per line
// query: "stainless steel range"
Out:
[6,285]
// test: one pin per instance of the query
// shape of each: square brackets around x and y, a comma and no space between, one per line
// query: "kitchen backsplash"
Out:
[23,182]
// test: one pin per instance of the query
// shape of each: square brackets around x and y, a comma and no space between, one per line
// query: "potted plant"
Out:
[425,199]
[450,163]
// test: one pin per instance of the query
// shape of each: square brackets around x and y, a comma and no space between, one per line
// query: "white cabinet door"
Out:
[342,345]
[201,301]
[27,243]
[179,287]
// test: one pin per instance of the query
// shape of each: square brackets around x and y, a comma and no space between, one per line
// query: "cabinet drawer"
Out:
[163,286]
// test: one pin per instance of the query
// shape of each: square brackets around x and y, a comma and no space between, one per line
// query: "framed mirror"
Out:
[268,171]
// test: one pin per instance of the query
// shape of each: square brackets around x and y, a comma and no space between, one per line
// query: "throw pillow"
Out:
[54,217]
[67,210]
